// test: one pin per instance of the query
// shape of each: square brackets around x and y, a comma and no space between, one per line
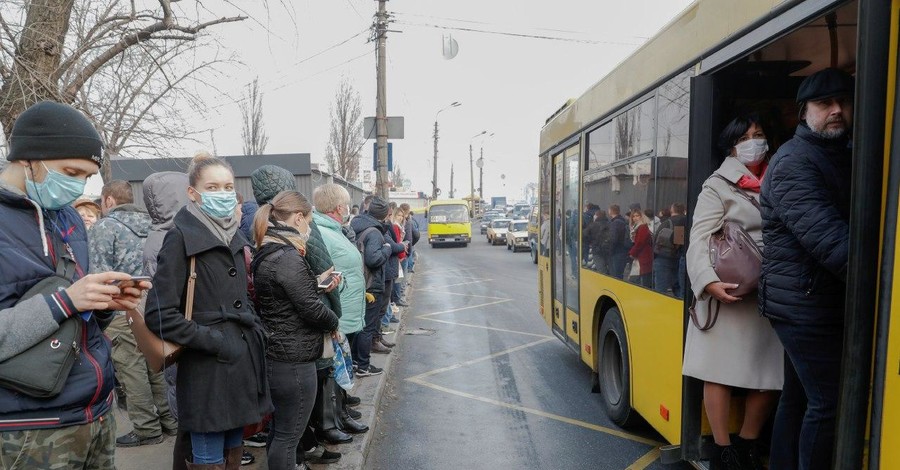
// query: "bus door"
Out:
[567,252]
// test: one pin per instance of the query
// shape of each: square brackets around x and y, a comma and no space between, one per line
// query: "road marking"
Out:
[645,461]
[463,308]
[480,359]
[486,327]
[544,414]
[428,289]
[473,281]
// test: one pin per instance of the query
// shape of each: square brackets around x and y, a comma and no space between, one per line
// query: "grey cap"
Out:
[269,180]
[378,208]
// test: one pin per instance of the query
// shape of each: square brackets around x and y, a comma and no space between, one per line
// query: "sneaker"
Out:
[394,320]
[133,440]
[321,455]
[247,458]
[302,466]
[256,440]
[401,304]
[369,371]
[386,330]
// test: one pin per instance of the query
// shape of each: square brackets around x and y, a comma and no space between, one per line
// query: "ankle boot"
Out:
[748,452]
[344,421]
[205,466]
[233,458]
[725,458]
[328,430]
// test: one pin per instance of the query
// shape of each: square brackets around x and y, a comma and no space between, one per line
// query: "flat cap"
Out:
[826,83]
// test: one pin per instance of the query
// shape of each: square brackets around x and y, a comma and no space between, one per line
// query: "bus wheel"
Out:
[614,370]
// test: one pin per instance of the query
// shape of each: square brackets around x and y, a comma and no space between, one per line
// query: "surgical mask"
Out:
[751,152]
[57,190]
[219,204]
[345,215]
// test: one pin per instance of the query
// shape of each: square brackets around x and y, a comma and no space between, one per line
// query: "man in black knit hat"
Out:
[53,149]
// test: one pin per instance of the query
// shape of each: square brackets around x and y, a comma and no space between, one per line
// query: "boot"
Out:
[344,421]
[327,418]
[204,466]
[748,452]
[233,458]
[387,343]
[725,458]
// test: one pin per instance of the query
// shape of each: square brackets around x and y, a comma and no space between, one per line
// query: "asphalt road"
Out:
[492,388]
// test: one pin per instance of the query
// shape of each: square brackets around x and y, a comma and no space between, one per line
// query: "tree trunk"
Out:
[38,56]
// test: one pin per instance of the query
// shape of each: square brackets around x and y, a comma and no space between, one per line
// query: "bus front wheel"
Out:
[615,371]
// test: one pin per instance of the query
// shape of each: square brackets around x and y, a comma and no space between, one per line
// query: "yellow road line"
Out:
[480,359]
[463,308]
[544,414]
[487,327]
[645,461]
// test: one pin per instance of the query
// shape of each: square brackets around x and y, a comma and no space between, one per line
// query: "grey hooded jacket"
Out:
[165,193]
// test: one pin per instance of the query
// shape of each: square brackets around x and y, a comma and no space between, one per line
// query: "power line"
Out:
[521,35]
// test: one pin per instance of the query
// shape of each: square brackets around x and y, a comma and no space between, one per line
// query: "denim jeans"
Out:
[411,259]
[293,388]
[388,314]
[361,347]
[616,263]
[803,435]
[209,447]
[665,269]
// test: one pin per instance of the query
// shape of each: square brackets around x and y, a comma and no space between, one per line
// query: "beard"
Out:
[822,130]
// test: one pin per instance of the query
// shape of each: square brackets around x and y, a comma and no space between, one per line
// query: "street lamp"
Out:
[480,164]
[434,188]
[472,171]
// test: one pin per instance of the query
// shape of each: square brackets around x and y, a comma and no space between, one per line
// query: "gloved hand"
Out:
[369,298]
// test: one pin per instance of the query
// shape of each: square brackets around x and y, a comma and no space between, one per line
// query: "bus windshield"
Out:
[449,214]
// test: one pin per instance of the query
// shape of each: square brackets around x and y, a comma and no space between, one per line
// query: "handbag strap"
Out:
[739,190]
[191,283]
[711,316]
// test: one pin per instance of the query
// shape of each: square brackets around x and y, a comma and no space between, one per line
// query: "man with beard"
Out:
[805,203]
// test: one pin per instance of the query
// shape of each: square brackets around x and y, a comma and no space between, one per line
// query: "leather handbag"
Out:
[158,352]
[41,371]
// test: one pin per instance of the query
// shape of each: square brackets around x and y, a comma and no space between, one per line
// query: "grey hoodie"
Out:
[165,193]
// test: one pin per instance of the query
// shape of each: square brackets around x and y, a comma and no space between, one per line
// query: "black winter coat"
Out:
[805,201]
[619,243]
[221,382]
[289,304]
[376,250]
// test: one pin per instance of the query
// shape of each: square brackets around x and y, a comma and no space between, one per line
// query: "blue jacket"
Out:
[24,260]
[376,250]
[805,201]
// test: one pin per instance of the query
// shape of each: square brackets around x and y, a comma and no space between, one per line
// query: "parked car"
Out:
[517,235]
[487,218]
[496,232]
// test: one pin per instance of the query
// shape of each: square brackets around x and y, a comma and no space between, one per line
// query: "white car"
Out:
[517,236]
[496,232]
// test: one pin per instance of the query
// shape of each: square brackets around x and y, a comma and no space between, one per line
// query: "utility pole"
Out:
[471,182]
[381,133]
[434,187]
[452,193]
[481,175]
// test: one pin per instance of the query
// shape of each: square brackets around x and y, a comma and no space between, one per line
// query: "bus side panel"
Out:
[545,295]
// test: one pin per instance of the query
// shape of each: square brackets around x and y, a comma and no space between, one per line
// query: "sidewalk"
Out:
[368,389]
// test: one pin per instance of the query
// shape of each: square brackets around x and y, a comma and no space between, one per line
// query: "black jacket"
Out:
[805,203]
[221,381]
[597,236]
[376,250]
[289,304]
[392,267]
[619,243]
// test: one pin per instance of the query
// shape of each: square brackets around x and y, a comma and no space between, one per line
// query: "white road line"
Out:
[487,328]
[463,308]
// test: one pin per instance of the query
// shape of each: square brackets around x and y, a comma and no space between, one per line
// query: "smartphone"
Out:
[134,279]
[324,283]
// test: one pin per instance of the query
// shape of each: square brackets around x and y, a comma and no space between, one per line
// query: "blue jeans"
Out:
[803,435]
[616,263]
[664,271]
[411,259]
[388,313]
[209,447]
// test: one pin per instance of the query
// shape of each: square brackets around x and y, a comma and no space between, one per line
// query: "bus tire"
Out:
[614,370]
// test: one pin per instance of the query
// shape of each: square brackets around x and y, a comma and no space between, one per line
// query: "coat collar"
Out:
[732,170]
[198,238]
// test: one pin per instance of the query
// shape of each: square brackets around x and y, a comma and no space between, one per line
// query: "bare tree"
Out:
[253,131]
[397,177]
[114,59]
[346,138]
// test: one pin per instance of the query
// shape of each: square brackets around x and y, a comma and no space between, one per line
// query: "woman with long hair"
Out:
[641,251]
[287,293]
[221,381]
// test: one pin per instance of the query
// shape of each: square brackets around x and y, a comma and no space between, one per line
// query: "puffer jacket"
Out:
[165,193]
[348,260]
[392,237]
[376,249]
[117,240]
[320,261]
[27,256]
[289,303]
[805,203]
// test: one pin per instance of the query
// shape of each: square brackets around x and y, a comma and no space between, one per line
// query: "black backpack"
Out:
[664,239]
[361,246]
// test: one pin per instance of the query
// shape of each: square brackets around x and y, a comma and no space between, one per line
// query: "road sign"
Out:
[394,127]
[375,156]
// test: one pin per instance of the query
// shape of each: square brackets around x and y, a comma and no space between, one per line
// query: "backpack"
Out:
[663,240]
[361,246]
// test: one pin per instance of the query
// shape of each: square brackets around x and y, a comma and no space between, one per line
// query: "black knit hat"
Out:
[378,208]
[826,83]
[269,180]
[53,131]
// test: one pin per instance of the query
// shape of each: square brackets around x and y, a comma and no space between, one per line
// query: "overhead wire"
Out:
[520,35]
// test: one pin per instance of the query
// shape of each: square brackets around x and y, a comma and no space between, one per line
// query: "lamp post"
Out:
[472,171]
[434,188]
[480,163]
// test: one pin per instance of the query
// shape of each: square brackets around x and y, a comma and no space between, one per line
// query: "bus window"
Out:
[544,221]
[572,226]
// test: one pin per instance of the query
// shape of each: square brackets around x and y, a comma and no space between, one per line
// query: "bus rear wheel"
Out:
[615,371]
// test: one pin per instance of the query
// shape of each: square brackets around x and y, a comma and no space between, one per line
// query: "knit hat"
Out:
[53,131]
[269,180]
[825,83]
[378,208]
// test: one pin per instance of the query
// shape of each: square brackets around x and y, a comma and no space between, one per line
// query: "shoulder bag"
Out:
[158,352]
[735,258]
[41,370]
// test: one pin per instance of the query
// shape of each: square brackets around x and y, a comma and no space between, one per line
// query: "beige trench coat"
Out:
[741,350]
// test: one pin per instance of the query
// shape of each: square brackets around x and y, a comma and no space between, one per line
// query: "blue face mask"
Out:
[219,204]
[57,190]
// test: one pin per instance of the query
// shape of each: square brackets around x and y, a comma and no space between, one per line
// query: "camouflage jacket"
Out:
[117,240]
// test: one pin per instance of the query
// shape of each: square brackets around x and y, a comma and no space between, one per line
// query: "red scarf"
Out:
[752,183]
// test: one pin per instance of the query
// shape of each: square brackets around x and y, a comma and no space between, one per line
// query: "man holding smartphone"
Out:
[117,244]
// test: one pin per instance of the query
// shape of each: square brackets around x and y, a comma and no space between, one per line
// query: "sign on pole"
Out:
[394,127]
[390,161]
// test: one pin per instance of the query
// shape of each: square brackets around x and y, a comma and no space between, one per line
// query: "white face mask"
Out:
[751,152]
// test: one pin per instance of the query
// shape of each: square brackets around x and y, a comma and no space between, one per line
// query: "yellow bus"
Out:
[449,223]
[645,135]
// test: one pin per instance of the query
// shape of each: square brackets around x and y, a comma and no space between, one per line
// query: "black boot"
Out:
[748,452]
[725,458]
[328,417]
[344,421]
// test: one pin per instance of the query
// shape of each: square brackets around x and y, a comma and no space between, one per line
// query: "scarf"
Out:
[223,229]
[751,182]
[283,235]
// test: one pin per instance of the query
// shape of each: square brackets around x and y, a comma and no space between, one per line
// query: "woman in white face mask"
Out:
[741,349]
